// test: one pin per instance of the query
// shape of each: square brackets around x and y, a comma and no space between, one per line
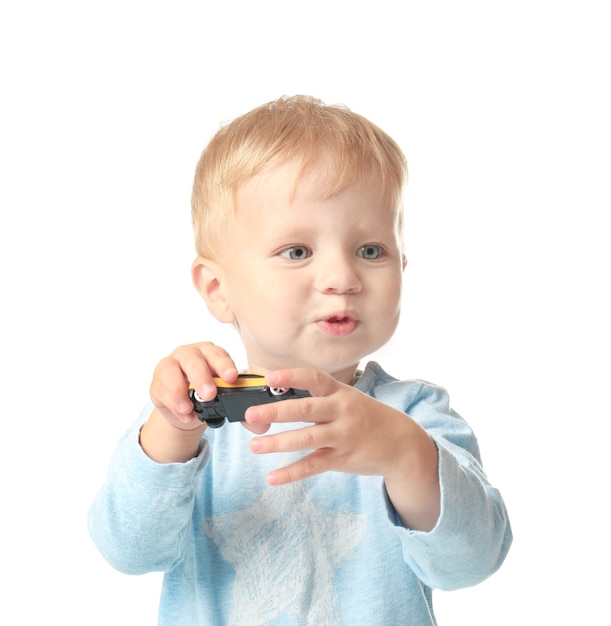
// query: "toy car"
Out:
[232,399]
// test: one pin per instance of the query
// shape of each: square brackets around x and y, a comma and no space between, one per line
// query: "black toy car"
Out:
[232,399]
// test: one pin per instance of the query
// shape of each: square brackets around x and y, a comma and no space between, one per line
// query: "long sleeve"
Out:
[329,549]
[473,533]
[140,519]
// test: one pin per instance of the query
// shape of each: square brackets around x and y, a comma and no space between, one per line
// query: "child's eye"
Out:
[296,253]
[371,251]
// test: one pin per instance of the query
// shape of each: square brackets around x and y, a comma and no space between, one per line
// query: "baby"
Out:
[345,507]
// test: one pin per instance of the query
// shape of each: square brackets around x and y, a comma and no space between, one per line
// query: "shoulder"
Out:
[403,394]
[426,403]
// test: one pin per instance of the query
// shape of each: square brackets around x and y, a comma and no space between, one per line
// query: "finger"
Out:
[308,438]
[311,410]
[219,361]
[257,429]
[196,363]
[169,389]
[184,422]
[316,463]
[201,362]
[316,382]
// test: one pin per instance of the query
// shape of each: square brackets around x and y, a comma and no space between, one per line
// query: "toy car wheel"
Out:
[215,422]
[278,391]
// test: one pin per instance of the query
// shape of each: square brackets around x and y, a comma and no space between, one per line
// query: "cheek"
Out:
[388,290]
[243,294]
[257,300]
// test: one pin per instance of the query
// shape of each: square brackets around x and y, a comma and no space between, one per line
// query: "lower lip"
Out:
[338,328]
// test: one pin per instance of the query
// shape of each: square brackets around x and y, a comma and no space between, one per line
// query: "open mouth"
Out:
[338,325]
[337,319]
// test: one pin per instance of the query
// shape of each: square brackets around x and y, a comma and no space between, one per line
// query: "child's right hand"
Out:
[194,364]
[172,433]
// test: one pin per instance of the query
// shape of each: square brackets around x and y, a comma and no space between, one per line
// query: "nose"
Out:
[337,275]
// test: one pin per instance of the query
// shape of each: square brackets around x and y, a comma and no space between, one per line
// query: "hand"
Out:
[194,364]
[349,431]
[352,432]
[172,433]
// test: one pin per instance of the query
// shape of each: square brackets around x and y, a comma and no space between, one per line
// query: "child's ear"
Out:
[207,278]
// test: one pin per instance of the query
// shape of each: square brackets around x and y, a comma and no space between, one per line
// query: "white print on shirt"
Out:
[285,552]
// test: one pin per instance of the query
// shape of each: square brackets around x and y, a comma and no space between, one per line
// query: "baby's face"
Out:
[312,281]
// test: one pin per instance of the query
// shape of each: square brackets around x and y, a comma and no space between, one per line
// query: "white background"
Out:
[503,111]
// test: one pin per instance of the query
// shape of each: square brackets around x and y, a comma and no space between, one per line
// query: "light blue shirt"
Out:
[328,550]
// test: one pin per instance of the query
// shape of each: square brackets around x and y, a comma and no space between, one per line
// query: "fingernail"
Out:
[229,373]
[272,478]
[255,445]
[208,391]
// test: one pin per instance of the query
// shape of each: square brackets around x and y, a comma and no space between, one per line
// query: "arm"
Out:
[473,534]
[411,478]
[140,517]
[452,524]
[354,433]
[165,442]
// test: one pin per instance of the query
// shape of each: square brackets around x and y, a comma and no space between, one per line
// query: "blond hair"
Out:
[338,144]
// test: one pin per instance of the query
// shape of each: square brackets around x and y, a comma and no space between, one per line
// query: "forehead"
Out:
[282,202]
[290,182]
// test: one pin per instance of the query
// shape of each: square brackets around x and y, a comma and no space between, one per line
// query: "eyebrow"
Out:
[295,232]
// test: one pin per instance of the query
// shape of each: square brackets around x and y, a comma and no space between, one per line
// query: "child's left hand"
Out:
[348,432]
[351,432]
